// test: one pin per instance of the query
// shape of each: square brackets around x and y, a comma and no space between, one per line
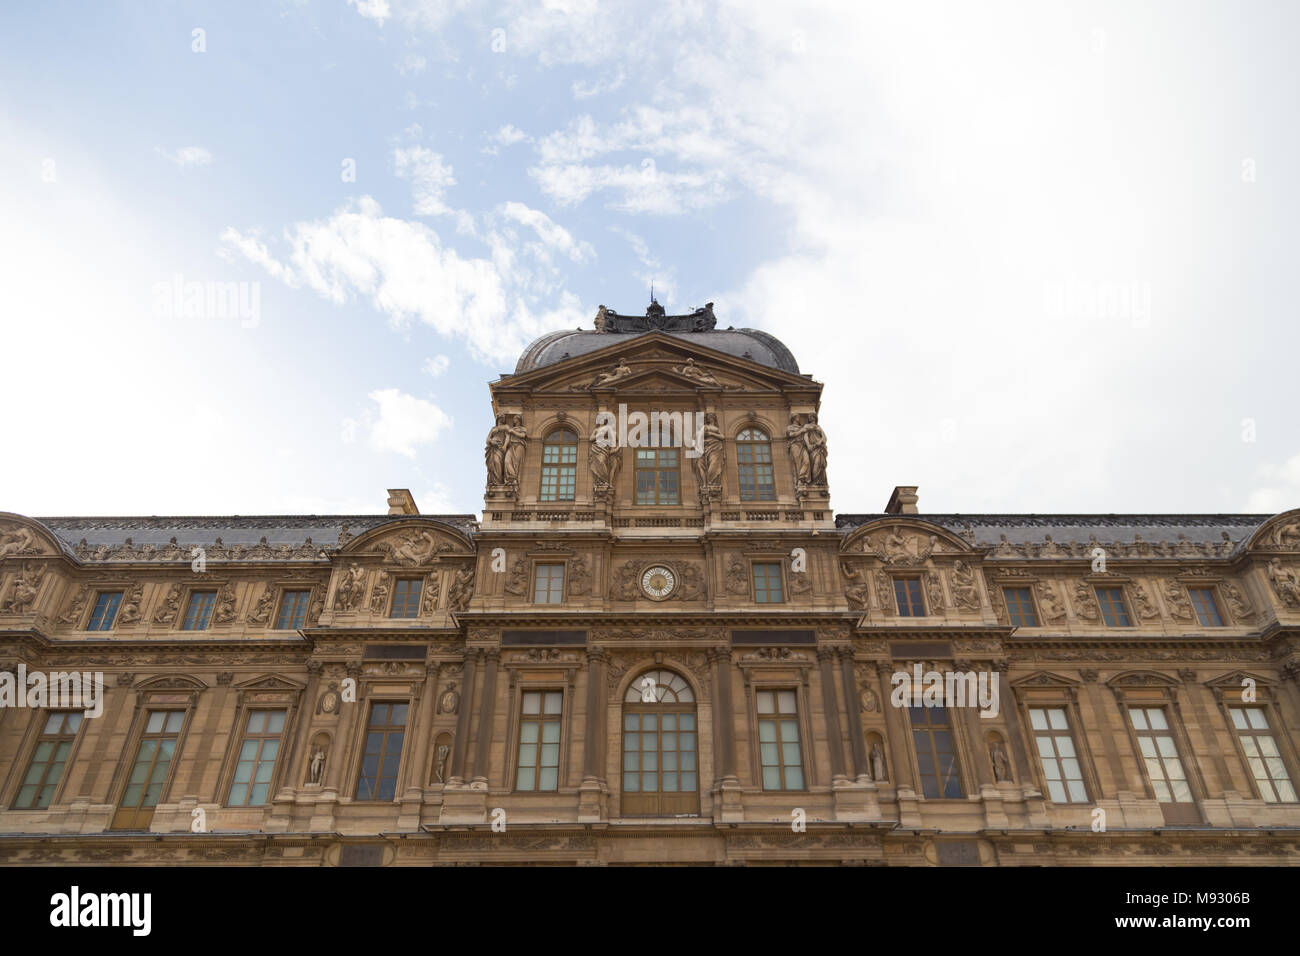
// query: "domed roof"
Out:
[698,327]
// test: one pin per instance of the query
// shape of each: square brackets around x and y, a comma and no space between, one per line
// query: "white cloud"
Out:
[186,156]
[399,423]
[438,500]
[509,134]
[552,235]
[429,177]
[411,64]
[437,365]
[377,10]
[1279,489]
[255,251]
[584,91]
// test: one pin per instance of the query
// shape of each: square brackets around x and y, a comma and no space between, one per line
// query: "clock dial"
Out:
[658,582]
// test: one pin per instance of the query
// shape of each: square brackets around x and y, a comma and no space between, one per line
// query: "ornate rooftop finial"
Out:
[656,319]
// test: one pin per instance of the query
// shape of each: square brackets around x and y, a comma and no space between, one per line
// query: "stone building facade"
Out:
[660,648]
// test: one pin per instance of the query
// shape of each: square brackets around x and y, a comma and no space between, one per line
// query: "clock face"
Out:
[658,582]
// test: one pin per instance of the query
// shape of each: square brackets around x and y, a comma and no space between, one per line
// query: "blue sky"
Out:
[1040,254]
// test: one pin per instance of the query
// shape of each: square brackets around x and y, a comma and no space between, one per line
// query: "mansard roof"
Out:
[234,531]
[986,530]
[698,327]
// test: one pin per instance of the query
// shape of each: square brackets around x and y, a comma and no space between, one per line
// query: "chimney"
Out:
[400,502]
[902,501]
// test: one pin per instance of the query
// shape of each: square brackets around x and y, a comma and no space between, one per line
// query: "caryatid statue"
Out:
[494,453]
[711,444]
[604,457]
[515,443]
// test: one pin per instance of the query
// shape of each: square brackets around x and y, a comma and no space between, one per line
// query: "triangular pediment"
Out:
[655,363]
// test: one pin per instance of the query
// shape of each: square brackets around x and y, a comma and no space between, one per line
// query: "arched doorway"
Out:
[660,756]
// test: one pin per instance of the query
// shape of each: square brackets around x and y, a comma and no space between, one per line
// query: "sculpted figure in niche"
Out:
[712,444]
[379,594]
[130,613]
[1145,608]
[351,589]
[1179,606]
[316,769]
[73,614]
[879,772]
[259,615]
[440,764]
[517,582]
[692,583]
[494,452]
[170,606]
[515,443]
[1001,762]
[579,576]
[1053,610]
[620,371]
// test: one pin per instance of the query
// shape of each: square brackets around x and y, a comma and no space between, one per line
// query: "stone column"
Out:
[723,715]
[487,711]
[460,745]
[826,657]
[593,749]
[856,737]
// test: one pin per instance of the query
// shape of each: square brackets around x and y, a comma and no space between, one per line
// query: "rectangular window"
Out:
[1056,753]
[936,758]
[406,597]
[559,471]
[261,745]
[1020,607]
[656,476]
[1160,756]
[149,770]
[907,591]
[48,759]
[1265,761]
[755,471]
[383,754]
[293,610]
[199,610]
[767,583]
[1207,609]
[778,740]
[548,584]
[105,612]
[539,741]
[1113,610]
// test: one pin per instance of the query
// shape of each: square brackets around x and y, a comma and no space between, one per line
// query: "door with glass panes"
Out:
[660,768]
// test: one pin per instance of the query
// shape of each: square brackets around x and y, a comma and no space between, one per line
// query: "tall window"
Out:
[907,592]
[105,612]
[539,741]
[406,597]
[778,740]
[293,610]
[936,758]
[199,610]
[660,776]
[767,583]
[1207,609]
[1056,753]
[656,476]
[1266,764]
[48,759]
[559,465]
[1113,609]
[1160,755]
[149,771]
[383,754]
[1020,607]
[257,753]
[548,584]
[754,465]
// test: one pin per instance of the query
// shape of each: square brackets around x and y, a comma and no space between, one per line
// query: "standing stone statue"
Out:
[798,449]
[516,441]
[494,452]
[440,764]
[1001,762]
[878,771]
[316,770]
[604,458]
[712,445]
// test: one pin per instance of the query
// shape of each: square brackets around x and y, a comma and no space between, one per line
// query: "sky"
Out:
[265,257]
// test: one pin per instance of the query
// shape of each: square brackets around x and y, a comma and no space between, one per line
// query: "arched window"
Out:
[754,465]
[660,769]
[559,465]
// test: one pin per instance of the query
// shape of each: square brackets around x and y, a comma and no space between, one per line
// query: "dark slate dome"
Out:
[698,327]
